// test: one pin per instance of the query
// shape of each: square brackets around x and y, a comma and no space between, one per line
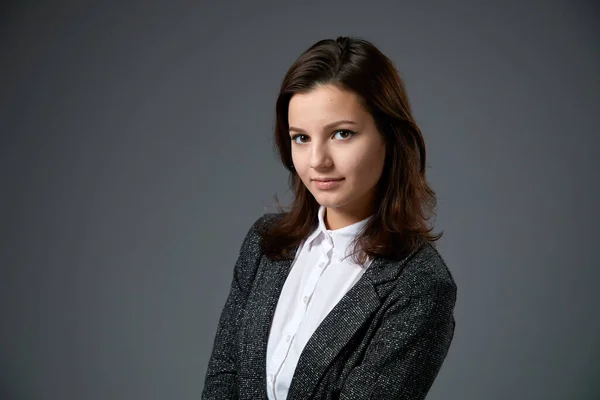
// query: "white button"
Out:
[288,338]
[321,265]
[271,378]
[305,299]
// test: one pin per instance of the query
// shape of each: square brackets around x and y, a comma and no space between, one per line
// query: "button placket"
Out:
[300,312]
[313,278]
[277,357]
[281,353]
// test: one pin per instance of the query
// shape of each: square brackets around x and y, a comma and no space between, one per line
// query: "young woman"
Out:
[344,295]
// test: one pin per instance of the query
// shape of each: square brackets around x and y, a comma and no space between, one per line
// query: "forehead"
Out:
[324,104]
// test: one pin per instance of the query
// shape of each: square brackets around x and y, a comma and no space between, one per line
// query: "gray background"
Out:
[135,152]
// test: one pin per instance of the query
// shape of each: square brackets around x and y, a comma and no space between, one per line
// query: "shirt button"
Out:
[271,378]
[305,299]
[321,265]
[288,338]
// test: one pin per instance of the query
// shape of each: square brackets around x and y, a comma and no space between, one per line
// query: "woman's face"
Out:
[334,138]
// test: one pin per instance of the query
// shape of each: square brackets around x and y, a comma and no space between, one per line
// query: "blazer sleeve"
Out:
[408,349]
[221,380]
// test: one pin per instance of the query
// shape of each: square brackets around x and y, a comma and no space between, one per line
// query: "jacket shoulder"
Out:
[252,240]
[268,219]
[250,252]
[425,270]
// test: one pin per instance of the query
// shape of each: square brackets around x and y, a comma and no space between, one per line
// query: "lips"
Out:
[327,183]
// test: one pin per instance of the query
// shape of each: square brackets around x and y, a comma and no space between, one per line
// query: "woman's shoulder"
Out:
[268,219]
[426,270]
[251,249]
[263,221]
[253,237]
[428,260]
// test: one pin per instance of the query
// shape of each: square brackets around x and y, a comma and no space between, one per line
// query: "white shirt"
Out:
[321,274]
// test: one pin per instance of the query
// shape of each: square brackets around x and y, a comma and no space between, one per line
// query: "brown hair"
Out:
[399,224]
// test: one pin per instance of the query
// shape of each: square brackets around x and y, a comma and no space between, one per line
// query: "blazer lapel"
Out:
[257,324]
[338,327]
[334,332]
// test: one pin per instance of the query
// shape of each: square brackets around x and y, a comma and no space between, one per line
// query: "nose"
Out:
[320,157]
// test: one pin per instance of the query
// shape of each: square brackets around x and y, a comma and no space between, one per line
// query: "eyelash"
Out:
[351,133]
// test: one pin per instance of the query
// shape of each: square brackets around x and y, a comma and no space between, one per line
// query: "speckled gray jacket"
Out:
[386,339]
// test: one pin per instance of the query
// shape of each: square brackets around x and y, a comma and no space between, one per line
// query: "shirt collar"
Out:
[320,227]
[340,239]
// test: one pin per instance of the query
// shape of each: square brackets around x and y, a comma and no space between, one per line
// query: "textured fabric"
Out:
[321,275]
[385,339]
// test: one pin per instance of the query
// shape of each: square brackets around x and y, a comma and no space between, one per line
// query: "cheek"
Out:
[365,165]
[299,164]
[295,159]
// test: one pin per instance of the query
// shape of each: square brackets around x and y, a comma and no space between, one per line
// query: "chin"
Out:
[329,202]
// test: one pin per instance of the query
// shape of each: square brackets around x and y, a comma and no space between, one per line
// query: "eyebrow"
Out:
[326,127]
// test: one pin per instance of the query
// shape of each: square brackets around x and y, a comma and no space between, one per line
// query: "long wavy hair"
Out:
[405,200]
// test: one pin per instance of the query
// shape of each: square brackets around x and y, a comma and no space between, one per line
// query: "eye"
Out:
[303,139]
[344,134]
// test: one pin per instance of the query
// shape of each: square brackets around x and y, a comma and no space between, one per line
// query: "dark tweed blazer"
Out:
[386,339]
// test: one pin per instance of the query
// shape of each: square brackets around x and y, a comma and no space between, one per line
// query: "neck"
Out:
[337,218]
